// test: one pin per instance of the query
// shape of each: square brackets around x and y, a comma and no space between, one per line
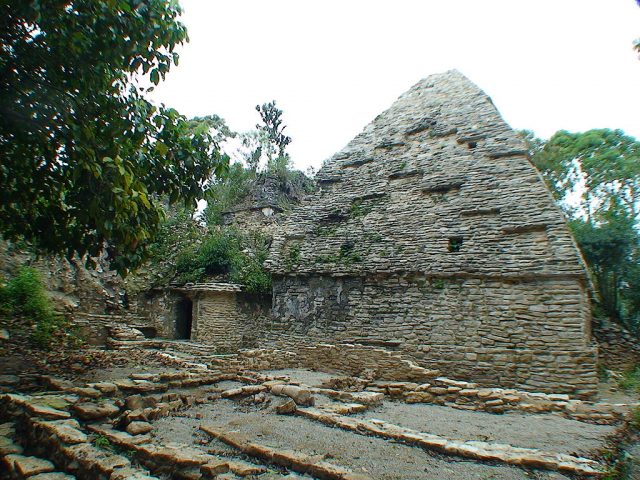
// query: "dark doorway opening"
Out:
[184,319]
[148,332]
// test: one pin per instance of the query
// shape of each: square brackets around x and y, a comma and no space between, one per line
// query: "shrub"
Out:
[251,274]
[24,296]
[227,252]
[188,267]
[217,253]
[631,379]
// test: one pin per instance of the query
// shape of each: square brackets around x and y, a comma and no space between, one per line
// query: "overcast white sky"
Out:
[332,66]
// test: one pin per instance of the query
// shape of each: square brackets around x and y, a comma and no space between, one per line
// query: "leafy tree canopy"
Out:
[86,160]
[601,167]
[595,177]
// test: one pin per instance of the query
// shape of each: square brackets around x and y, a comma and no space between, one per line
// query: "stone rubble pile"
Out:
[69,424]
[468,396]
[63,427]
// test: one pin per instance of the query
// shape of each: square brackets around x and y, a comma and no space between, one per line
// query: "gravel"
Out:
[542,431]
[376,457]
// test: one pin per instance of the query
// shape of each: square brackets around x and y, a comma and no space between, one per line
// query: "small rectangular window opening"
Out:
[455,244]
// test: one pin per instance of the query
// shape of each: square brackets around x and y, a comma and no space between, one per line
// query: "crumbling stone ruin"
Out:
[268,198]
[117,428]
[429,282]
[433,235]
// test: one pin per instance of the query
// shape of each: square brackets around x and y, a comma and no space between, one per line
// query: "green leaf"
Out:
[154,76]
[162,148]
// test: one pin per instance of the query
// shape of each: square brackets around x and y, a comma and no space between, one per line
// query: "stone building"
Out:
[260,207]
[217,314]
[433,235]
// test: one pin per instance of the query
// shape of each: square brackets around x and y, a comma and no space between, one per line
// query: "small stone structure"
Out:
[219,314]
[433,235]
[262,208]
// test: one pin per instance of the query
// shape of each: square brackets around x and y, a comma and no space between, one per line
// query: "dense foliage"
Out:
[86,158]
[595,177]
[203,248]
[24,297]
[229,254]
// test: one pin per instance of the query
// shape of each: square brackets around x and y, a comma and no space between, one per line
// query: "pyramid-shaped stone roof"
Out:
[438,184]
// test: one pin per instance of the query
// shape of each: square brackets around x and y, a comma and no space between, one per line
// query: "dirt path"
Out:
[376,457]
[544,432]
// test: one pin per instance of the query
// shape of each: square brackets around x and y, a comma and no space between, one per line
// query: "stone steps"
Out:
[476,450]
[54,446]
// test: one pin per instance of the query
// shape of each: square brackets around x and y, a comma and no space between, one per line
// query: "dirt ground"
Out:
[376,457]
[381,459]
[547,432]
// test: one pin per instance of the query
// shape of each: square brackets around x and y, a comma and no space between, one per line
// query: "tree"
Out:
[86,160]
[595,177]
[610,249]
[600,167]
[272,126]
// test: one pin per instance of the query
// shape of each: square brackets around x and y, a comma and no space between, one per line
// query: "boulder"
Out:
[138,428]
[95,411]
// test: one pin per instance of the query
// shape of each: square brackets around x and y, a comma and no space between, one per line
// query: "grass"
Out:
[630,380]
[103,442]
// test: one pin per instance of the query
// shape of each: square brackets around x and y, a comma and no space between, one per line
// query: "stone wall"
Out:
[354,360]
[433,234]
[529,334]
[618,348]
[228,320]
[159,307]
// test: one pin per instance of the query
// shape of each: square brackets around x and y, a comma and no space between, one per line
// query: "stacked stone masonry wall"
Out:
[228,320]
[528,334]
[432,233]
[618,348]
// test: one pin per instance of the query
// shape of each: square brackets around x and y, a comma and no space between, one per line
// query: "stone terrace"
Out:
[223,420]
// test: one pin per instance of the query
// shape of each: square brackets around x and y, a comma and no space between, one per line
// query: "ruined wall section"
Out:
[517,334]
[461,253]
[228,320]
[619,349]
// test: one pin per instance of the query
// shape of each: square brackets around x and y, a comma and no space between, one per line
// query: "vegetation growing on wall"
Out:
[227,254]
[24,297]
[261,159]
[227,192]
